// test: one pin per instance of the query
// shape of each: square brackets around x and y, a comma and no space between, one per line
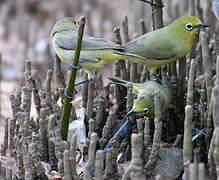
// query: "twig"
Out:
[36,91]
[181,77]
[0,83]
[157,133]
[111,157]
[140,125]
[158,15]
[72,156]
[192,172]
[212,169]
[67,166]
[90,103]
[190,91]
[187,141]
[215,103]
[84,91]
[107,129]
[48,82]
[35,157]
[135,168]
[147,136]
[100,114]
[5,140]
[59,76]
[99,165]
[91,157]
[12,123]
[201,171]
[121,64]
[119,70]
[71,83]
[209,84]
[191,8]
[199,10]
[51,147]
[207,64]
[129,103]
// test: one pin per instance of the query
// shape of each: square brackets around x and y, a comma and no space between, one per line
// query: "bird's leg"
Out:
[75,91]
[156,76]
[196,133]
[160,5]
[82,82]
[69,96]
[72,66]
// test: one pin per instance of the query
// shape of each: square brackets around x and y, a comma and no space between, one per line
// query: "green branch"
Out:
[71,83]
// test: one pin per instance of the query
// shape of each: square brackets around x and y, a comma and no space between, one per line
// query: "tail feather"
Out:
[125,83]
[118,81]
[133,56]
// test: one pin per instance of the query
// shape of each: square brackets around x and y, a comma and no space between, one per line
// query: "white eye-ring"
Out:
[189,27]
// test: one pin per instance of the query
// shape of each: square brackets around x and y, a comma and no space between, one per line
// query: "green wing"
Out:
[152,46]
[89,43]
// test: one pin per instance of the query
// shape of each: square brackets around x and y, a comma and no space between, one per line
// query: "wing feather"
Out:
[88,43]
[152,46]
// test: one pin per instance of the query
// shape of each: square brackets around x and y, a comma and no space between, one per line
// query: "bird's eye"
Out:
[145,110]
[189,27]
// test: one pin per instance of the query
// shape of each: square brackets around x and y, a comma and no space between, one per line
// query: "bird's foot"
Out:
[160,5]
[75,91]
[82,82]
[196,133]
[72,66]
[156,76]
[67,95]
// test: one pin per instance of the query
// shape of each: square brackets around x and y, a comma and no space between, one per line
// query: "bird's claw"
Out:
[160,5]
[82,82]
[72,66]
[75,91]
[197,133]
[69,96]
[157,78]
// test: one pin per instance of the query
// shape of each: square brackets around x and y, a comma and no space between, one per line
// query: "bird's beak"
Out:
[202,26]
[131,112]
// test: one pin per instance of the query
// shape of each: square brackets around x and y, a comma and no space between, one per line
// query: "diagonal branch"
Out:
[71,83]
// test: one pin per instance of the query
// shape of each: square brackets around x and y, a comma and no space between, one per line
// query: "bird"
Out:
[143,105]
[167,44]
[215,8]
[95,52]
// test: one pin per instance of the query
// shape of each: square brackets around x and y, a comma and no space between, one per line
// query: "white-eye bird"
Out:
[167,44]
[95,52]
[143,105]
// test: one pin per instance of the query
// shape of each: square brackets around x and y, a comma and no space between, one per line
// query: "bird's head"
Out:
[142,106]
[63,25]
[188,25]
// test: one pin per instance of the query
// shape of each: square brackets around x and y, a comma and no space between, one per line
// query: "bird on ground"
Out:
[167,44]
[95,52]
[143,105]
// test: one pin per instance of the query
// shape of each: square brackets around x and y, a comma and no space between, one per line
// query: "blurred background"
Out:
[25,27]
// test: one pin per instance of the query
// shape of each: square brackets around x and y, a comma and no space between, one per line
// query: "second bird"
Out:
[166,44]
[143,105]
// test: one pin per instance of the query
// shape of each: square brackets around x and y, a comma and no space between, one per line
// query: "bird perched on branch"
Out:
[153,49]
[95,52]
[143,105]
[167,44]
